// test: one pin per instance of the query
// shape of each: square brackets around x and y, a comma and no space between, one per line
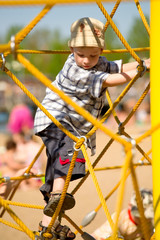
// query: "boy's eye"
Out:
[80,55]
[93,56]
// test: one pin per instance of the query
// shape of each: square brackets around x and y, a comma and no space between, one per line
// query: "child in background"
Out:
[21,120]
[129,222]
[13,164]
[84,78]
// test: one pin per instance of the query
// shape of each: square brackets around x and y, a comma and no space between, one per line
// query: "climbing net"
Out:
[129,144]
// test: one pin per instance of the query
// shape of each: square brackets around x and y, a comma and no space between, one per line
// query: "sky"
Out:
[62,16]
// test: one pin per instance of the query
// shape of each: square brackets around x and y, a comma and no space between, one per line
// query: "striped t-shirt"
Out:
[84,87]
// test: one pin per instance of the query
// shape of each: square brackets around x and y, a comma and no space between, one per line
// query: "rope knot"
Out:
[141,68]
[120,128]
[47,235]
[27,175]
[7,179]
[78,144]
[2,61]
[13,46]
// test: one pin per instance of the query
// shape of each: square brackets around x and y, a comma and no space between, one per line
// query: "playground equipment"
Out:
[129,144]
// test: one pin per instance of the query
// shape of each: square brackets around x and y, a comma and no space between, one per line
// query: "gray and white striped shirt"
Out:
[84,87]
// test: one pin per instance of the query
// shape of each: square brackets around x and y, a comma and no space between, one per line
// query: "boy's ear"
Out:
[101,50]
[71,48]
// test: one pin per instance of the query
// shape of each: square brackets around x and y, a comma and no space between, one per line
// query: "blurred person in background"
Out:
[129,222]
[21,148]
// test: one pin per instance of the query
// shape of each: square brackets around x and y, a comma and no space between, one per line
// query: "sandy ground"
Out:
[86,197]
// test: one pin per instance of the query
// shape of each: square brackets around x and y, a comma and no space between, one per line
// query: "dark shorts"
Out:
[59,149]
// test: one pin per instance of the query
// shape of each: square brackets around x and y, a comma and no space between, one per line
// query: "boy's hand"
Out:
[147,63]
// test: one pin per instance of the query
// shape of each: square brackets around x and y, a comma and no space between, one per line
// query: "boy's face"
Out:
[86,57]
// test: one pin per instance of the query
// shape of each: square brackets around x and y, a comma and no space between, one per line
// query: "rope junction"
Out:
[129,144]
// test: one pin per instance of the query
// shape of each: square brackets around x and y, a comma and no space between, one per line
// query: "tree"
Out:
[37,40]
[49,64]
[13,30]
[57,60]
[112,42]
[138,36]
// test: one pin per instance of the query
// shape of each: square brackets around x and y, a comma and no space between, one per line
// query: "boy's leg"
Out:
[59,231]
[54,140]
[45,220]
[57,186]
[55,196]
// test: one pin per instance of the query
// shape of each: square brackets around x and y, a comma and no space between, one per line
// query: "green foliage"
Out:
[138,36]
[57,60]
[49,64]
[113,42]
[11,32]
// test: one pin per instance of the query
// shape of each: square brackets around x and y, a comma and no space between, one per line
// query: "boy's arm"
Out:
[116,79]
[129,71]
[132,65]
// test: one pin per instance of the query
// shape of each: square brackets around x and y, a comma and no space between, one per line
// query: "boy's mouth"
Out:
[86,67]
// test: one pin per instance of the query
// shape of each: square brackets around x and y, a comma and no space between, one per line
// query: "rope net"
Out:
[129,145]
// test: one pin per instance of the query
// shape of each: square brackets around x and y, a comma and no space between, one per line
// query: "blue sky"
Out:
[62,16]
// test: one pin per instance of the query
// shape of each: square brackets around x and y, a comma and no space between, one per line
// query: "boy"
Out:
[84,78]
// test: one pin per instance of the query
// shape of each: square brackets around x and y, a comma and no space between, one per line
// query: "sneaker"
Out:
[58,232]
[69,202]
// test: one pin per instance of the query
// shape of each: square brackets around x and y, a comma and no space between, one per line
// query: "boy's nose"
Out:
[86,60]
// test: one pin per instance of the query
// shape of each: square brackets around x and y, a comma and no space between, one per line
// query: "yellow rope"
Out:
[139,149]
[119,167]
[35,159]
[153,237]
[42,2]
[148,133]
[106,115]
[122,124]
[112,13]
[26,205]
[79,109]
[73,223]
[23,177]
[142,16]
[111,105]
[144,224]
[6,49]
[98,188]
[118,32]
[94,164]
[68,178]
[25,31]
[137,105]
[129,116]
[16,219]
[10,224]
[39,104]
[117,185]
[121,189]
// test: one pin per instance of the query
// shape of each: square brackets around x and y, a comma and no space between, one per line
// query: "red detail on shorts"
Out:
[62,162]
